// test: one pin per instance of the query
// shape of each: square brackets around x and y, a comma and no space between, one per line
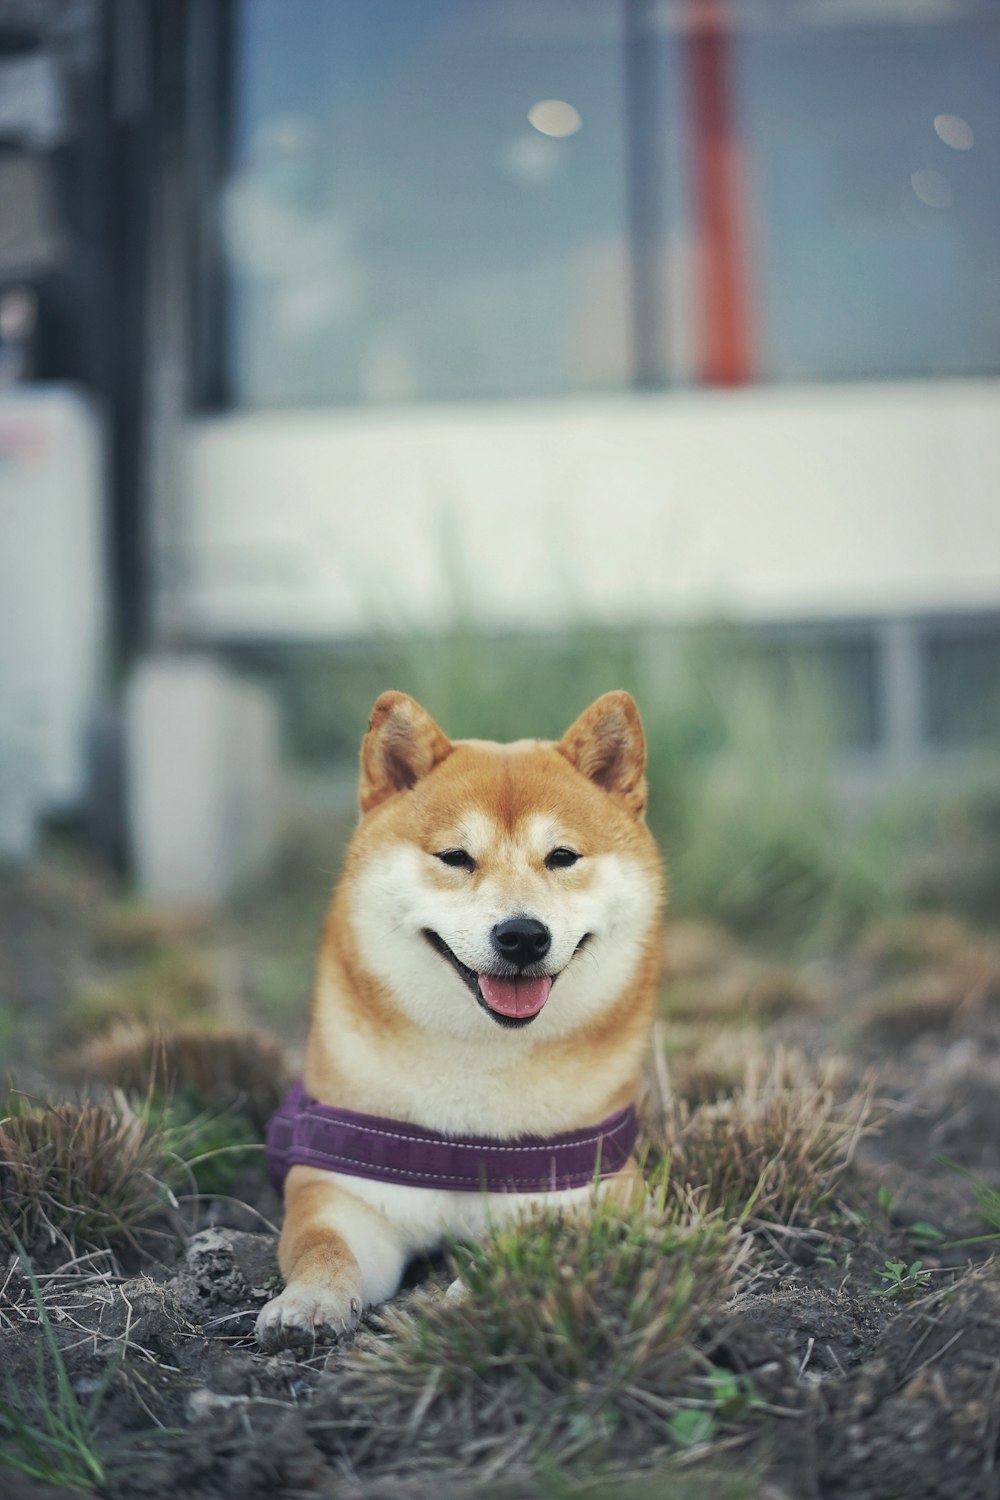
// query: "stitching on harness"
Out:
[416,1140]
[401,1171]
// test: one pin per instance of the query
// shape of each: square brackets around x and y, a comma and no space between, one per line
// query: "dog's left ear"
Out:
[607,744]
[403,743]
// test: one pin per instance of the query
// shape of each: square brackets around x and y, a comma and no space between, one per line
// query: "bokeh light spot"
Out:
[554,117]
[954,131]
[932,188]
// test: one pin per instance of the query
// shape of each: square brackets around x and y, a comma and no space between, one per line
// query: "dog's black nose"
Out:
[521,940]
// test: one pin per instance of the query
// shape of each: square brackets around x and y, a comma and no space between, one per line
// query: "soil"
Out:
[863,1397]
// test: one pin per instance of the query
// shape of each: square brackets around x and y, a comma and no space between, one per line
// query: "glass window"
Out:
[830,668]
[426,200]
[962,682]
[485,198]
[874,151]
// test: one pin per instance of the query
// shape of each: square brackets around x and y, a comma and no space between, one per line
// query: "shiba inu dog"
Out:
[484,994]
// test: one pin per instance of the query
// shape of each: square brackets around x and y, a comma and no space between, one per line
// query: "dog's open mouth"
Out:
[510,999]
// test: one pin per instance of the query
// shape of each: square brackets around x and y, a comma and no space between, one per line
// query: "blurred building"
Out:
[635,310]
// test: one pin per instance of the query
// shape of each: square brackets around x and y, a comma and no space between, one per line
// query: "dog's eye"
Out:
[457,858]
[561,859]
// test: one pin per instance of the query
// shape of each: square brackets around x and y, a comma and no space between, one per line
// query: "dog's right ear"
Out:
[403,743]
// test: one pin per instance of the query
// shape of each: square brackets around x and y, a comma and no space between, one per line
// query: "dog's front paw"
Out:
[307,1315]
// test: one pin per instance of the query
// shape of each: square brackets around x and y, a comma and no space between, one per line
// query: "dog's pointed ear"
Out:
[607,744]
[403,743]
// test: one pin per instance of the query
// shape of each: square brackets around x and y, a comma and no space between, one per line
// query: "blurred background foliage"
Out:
[763,826]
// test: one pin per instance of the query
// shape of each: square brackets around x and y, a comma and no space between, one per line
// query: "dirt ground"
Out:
[861,1396]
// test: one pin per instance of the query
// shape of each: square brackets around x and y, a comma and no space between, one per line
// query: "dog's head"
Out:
[511,886]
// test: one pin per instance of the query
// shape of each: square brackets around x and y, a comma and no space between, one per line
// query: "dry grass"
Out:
[127,932]
[175,985]
[694,949]
[583,1335]
[709,979]
[916,939]
[242,1071]
[945,973]
[773,1151]
[742,991]
[933,1001]
[82,1177]
[716,1065]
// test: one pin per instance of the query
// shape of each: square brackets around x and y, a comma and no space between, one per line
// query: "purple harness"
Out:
[317,1135]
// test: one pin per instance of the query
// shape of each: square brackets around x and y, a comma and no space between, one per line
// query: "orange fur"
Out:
[310,1252]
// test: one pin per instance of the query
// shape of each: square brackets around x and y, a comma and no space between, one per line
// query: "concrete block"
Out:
[203,772]
[52,604]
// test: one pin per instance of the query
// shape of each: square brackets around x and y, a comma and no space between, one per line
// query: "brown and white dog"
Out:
[488,968]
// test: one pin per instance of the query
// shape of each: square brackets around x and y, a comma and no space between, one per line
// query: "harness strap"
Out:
[305,1133]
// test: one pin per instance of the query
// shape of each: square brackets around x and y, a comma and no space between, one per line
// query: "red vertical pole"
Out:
[723,350]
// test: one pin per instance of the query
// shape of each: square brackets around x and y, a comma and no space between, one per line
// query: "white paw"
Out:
[307,1315]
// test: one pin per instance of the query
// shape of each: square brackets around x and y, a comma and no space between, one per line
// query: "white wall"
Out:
[764,503]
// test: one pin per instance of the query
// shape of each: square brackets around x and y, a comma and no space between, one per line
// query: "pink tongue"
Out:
[515,997]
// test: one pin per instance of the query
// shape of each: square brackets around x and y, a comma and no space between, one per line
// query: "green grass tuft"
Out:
[573,1335]
[899,1282]
[987,1202]
[210,1093]
[47,1434]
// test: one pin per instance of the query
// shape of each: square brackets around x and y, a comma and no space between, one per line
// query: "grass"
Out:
[708,1062]
[741,752]
[50,1437]
[771,1152]
[244,1073]
[672,1480]
[215,1147]
[128,932]
[913,940]
[669,1482]
[165,987]
[744,990]
[211,1094]
[574,1336]
[988,1204]
[899,1282]
[929,1001]
[277,918]
[584,1348]
[83,1176]
[954,845]
[762,846]
[694,949]
[47,1434]
[744,741]
[938,970]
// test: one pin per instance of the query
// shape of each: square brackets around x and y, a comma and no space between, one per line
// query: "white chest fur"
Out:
[427,1218]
